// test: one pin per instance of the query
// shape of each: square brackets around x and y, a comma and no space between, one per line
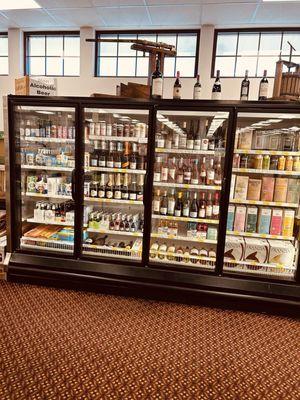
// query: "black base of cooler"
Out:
[152,283]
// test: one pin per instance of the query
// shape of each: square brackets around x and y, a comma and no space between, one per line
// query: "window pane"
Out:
[168,39]
[294,39]
[126,66]
[270,44]
[37,46]
[3,46]
[54,46]
[36,66]
[108,66]
[125,48]
[248,44]
[169,67]
[186,66]
[226,44]
[186,45]
[225,65]
[108,48]
[150,38]
[142,66]
[72,46]
[268,63]
[243,63]
[72,66]
[3,65]
[54,66]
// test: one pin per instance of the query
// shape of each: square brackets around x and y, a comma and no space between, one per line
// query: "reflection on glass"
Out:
[46,142]
[248,44]
[189,160]
[226,44]
[262,224]
[115,169]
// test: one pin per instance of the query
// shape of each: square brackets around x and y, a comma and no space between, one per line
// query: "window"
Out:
[118,59]
[3,54]
[52,54]
[236,51]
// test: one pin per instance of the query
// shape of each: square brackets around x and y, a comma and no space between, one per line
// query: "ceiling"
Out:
[147,14]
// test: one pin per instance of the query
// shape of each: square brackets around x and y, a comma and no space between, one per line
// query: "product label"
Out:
[164,174]
[157,87]
[204,144]
[171,207]
[163,210]
[197,144]
[156,206]
[172,173]
[209,211]
[117,194]
[216,210]
[263,89]
[202,213]
[193,214]
[197,93]
[156,177]
[176,93]
[216,96]
[93,193]
[190,144]
[101,194]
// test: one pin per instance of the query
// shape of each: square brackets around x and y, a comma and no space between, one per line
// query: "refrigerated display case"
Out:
[196,197]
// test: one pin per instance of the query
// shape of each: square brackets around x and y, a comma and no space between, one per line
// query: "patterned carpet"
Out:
[59,344]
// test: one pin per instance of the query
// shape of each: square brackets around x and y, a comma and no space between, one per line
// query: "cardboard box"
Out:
[264,220]
[254,189]
[240,218]
[281,252]
[37,86]
[251,219]
[256,250]
[234,248]
[241,187]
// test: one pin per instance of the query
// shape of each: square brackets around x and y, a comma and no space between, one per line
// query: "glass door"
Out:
[188,176]
[45,154]
[263,217]
[115,169]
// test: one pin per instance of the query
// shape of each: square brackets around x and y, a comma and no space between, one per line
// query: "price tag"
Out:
[263,235]
[186,186]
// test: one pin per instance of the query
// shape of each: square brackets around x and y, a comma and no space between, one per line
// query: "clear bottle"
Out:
[187,173]
[218,172]
[171,202]
[101,188]
[172,170]
[203,171]
[190,137]
[177,87]
[183,137]
[216,206]
[164,204]
[125,188]
[157,169]
[195,173]
[209,205]
[164,170]
[202,206]
[156,202]
[210,177]
[117,187]
[180,172]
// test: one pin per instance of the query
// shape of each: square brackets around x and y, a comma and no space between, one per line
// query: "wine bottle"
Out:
[157,82]
[177,87]
[216,90]
[197,89]
[194,207]
[245,87]
[263,87]
[190,137]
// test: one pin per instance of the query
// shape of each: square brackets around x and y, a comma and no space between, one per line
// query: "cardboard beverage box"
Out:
[256,250]
[264,220]
[251,219]
[276,222]
[234,248]
[254,188]
[36,86]
[267,189]
[240,217]
[230,217]
[281,252]
[241,187]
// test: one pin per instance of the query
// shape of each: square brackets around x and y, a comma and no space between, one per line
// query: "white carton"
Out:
[256,250]
[234,248]
[281,252]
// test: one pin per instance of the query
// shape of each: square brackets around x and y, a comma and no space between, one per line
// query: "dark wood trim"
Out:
[27,34]
[145,32]
[239,30]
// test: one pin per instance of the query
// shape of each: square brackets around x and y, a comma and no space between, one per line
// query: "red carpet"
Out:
[59,344]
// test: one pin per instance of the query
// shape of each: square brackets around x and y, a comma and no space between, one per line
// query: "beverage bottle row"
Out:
[48,157]
[194,230]
[279,163]
[116,221]
[62,128]
[180,254]
[118,155]
[114,186]
[118,129]
[216,94]
[49,212]
[189,139]
[188,171]
[167,203]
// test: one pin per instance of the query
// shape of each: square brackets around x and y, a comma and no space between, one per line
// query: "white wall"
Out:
[86,83]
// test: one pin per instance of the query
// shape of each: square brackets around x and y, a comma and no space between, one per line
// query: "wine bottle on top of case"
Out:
[216,90]
[177,87]
[197,89]
[245,87]
[157,82]
[263,87]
